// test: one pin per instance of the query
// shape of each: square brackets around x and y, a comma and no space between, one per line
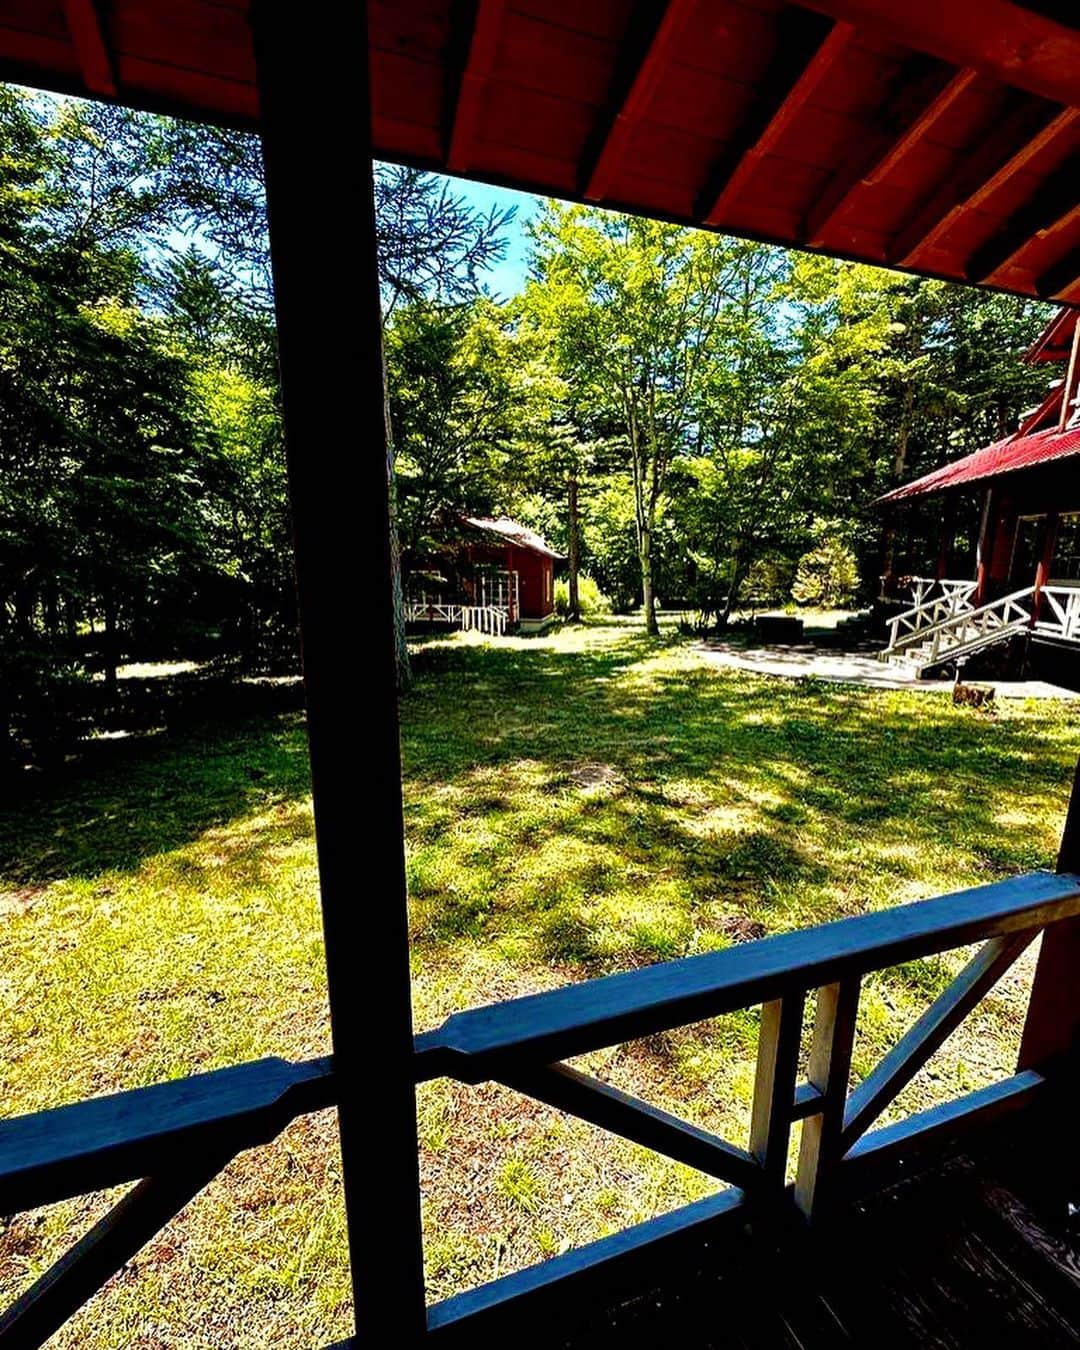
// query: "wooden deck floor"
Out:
[982,1252]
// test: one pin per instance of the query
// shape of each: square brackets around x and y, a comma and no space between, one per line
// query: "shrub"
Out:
[768,582]
[827,576]
[591,599]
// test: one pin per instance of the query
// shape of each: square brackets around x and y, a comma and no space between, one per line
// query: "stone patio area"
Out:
[804,659]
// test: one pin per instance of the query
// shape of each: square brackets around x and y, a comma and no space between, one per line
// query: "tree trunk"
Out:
[401,649]
[50,604]
[888,540]
[648,599]
[573,550]
[111,649]
[738,572]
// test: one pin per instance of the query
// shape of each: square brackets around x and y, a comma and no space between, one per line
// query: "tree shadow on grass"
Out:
[129,800]
[634,811]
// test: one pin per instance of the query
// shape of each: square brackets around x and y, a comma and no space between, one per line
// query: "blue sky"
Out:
[509,276]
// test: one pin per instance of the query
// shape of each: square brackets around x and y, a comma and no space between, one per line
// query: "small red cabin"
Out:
[497,575]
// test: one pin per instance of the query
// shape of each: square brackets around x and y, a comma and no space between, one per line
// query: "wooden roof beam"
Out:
[884,152]
[91,48]
[468,100]
[633,88]
[1057,201]
[1022,135]
[999,38]
[784,93]
[1061,278]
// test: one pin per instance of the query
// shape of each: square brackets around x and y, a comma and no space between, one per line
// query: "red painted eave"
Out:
[993,461]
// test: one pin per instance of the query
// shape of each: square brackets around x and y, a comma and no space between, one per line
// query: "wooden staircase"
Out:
[948,627]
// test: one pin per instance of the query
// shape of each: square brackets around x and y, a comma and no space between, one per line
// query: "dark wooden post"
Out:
[982,550]
[1046,560]
[1052,1030]
[313,89]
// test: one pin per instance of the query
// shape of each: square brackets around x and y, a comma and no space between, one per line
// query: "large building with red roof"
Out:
[1026,580]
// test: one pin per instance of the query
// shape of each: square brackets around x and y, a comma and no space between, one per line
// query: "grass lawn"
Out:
[580,803]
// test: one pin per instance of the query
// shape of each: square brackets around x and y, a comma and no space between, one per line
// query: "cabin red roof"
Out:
[513,533]
[1003,457]
[939,136]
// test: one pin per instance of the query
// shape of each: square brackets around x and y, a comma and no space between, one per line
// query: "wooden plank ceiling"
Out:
[940,136]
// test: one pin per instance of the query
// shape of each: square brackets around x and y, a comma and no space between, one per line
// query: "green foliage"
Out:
[673,409]
[591,600]
[143,502]
[827,576]
[632,307]
[452,407]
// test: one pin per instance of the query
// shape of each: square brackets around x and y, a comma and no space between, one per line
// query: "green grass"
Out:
[581,803]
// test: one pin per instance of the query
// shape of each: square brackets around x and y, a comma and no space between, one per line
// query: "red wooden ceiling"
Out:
[942,136]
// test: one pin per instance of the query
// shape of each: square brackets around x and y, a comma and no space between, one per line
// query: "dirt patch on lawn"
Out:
[589,778]
[19,900]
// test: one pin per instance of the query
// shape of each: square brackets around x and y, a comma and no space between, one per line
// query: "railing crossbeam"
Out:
[503,1038]
[104,1250]
[611,1109]
[933,1028]
[106,1141]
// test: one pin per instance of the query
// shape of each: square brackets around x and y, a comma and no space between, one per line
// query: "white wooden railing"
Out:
[935,599]
[471,618]
[1059,614]
[929,640]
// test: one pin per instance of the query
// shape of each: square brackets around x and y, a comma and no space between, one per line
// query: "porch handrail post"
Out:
[316,129]
[1052,1028]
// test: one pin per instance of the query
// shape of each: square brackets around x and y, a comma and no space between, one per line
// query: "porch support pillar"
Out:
[316,138]
[996,540]
[1046,561]
[1051,1039]
[982,549]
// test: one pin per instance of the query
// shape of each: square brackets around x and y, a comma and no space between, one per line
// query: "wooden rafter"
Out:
[91,48]
[480,58]
[1057,202]
[1041,416]
[1001,38]
[1007,150]
[1068,389]
[784,94]
[634,86]
[1062,277]
[873,162]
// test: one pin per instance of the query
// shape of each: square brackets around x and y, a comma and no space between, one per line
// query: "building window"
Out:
[1066,564]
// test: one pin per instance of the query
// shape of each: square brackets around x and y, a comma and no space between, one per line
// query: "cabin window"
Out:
[1066,564]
